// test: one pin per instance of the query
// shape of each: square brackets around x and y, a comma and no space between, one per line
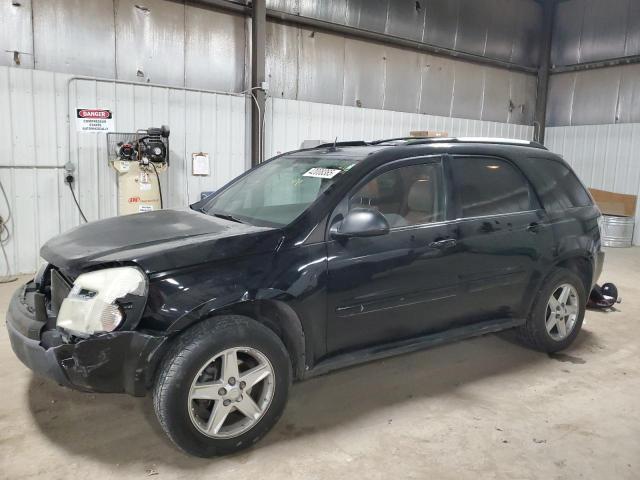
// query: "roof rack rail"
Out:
[500,141]
[494,140]
[427,140]
[395,139]
[351,143]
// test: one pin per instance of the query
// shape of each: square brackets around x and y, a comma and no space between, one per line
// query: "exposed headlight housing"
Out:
[600,223]
[39,276]
[91,306]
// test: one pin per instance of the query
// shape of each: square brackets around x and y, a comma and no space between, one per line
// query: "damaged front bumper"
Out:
[122,361]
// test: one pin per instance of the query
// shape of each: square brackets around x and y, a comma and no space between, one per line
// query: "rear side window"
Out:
[557,186]
[488,186]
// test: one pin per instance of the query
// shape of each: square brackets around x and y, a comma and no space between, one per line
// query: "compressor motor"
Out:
[149,146]
[139,157]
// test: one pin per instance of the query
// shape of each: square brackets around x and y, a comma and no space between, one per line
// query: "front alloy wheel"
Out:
[231,392]
[222,385]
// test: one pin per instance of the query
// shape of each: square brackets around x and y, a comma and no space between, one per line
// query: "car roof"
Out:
[378,152]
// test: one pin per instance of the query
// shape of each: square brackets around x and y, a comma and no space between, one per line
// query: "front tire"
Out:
[222,386]
[557,313]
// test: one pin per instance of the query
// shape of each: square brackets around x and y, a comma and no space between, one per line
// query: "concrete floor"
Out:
[482,408]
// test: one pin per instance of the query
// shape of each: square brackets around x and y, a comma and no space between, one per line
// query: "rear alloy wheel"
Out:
[562,312]
[557,313]
[222,385]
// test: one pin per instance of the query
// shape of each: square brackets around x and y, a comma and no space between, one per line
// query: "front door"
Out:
[398,285]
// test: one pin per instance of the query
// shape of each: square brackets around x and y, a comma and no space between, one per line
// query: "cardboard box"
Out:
[611,203]
[428,134]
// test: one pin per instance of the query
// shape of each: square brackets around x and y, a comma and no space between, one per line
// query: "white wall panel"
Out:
[604,156]
[290,122]
[34,139]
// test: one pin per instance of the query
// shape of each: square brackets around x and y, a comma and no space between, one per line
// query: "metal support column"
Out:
[548,14]
[258,41]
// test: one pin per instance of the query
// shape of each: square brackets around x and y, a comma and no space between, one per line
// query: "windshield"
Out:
[276,193]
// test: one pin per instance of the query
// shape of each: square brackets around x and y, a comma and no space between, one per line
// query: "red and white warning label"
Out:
[94,120]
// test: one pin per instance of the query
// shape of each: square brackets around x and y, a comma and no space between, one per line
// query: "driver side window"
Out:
[411,195]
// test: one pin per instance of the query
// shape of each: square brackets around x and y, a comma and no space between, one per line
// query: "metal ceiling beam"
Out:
[611,62]
[226,5]
[544,62]
[315,24]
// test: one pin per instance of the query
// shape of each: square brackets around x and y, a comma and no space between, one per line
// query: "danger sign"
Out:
[94,120]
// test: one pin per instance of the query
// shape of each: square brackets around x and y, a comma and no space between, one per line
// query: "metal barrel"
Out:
[617,231]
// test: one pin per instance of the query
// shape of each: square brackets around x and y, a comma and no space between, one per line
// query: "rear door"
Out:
[501,234]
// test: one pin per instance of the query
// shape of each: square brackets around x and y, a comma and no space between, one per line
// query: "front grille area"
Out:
[60,288]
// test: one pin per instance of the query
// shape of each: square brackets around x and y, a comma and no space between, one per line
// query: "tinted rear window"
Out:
[488,186]
[557,186]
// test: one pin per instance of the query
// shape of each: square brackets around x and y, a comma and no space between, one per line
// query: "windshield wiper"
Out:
[225,216]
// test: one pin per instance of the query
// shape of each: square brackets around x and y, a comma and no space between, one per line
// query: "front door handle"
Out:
[446,243]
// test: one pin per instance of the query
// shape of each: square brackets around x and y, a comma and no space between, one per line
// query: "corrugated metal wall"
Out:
[290,122]
[153,41]
[313,66]
[169,43]
[34,134]
[502,29]
[605,95]
[16,34]
[592,30]
[603,156]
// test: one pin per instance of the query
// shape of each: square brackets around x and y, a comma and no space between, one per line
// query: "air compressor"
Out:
[139,158]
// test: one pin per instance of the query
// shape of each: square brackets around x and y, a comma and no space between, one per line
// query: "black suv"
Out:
[315,260]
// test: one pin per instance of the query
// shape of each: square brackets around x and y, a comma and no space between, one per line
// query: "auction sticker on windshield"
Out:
[318,172]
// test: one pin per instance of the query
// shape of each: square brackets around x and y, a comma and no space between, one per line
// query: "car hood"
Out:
[157,241]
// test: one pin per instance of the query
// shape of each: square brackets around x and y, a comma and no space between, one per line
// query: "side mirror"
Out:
[361,222]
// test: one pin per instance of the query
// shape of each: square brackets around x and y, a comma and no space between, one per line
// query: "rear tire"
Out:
[553,325]
[202,405]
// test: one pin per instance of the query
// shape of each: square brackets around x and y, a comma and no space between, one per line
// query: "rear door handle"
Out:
[446,243]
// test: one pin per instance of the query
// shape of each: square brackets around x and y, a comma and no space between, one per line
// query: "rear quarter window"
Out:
[488,186]
[557,185]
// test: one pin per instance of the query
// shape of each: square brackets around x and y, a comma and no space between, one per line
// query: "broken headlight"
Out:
[92,306]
